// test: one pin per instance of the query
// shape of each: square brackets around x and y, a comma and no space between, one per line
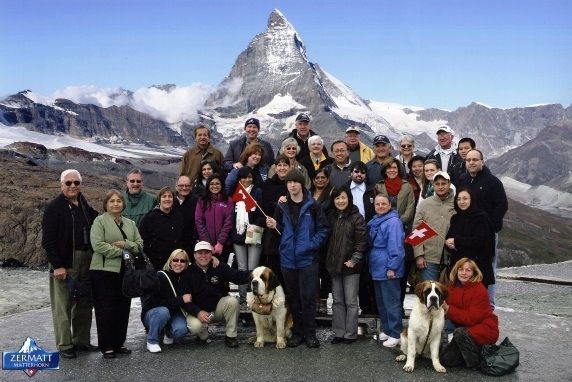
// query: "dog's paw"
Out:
[259,344]
[280,344]
[408,367]
[439,368]
[401,358]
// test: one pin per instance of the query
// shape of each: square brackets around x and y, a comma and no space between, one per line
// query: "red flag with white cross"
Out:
[241,195]
[420,234]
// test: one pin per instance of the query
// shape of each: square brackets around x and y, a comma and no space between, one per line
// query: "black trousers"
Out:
[111,309]
[301,296]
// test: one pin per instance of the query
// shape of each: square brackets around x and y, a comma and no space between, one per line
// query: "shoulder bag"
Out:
[499,359]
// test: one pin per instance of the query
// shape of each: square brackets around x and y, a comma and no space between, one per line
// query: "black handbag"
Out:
[140,277]
[499,359]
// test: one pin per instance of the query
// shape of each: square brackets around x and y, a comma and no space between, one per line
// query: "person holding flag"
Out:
[433,214]
[247,231]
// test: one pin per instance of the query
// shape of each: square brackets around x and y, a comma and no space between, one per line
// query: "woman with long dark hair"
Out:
[214,217]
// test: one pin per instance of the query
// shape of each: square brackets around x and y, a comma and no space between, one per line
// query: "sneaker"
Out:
[391,342]
[382,336]
[231,342]
[153,348]
[168,340]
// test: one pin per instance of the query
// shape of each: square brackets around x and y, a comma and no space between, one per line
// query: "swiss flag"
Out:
[241,195]
[421,233]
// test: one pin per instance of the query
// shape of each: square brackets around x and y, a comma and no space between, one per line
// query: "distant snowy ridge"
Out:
[542,197]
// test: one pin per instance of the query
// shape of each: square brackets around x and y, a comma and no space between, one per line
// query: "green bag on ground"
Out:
[499,359]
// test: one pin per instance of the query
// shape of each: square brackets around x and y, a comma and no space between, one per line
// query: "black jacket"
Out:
[189,234]
[454,161]
[474,238]
[348,240]
[489,193]
[209,287]
[164,296]
[161,233]
[58,227]
[237,146]
[304,149]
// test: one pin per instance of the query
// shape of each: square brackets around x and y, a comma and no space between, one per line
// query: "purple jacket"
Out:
[215,223]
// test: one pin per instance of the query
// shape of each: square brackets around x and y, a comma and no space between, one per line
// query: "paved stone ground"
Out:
[536,317]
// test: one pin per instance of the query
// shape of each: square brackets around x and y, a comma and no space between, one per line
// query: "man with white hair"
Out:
[65,237]
[446,150]
[358,151]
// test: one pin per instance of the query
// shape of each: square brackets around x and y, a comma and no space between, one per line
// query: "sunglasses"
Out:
[406,146]
[179,261]
[135,181]
[75,183]
[359,171]
[184,185]
[291,148]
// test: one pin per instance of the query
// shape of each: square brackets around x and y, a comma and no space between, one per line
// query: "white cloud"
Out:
[176,104]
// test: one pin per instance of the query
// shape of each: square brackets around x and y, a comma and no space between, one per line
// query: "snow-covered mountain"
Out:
[29,346]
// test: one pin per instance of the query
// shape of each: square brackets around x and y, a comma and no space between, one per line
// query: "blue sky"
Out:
[426,53]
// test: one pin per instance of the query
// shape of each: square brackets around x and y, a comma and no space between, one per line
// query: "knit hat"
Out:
[295,176]
[252,121]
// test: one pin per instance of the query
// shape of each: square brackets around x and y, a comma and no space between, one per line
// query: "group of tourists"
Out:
[325,221]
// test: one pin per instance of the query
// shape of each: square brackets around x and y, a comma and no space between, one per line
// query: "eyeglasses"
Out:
[184,185]
[135,181]
[291,148]
[179,261]
[406,146]
[356,171]
[75,183]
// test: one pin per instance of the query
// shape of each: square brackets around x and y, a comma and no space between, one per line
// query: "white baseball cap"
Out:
[203,245]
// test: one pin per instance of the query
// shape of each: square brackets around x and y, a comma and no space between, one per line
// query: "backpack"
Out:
[499,359]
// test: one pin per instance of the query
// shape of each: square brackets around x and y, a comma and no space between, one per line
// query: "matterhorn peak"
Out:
[278,20]
[29,346]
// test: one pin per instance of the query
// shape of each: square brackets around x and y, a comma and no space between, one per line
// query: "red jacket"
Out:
[469,306]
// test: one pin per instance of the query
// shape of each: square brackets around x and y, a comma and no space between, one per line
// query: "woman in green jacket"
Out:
[111,236]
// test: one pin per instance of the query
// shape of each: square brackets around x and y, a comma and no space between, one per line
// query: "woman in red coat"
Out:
[469,310]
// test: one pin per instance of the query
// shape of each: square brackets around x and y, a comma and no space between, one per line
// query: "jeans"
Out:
[388,297]
[301,294]
[431,272]
[345,309]
[159,318]
[247,257]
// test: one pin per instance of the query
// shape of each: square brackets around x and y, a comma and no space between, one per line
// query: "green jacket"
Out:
[104,232]
[137,205]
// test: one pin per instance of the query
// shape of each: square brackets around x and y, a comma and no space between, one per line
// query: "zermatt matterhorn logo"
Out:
[30,358]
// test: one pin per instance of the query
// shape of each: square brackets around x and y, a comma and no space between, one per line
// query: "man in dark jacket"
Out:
[490,196]
[65,237]
[186,203]
[445,153]
[237,146]
[304,229]
[301,134]
[211,302]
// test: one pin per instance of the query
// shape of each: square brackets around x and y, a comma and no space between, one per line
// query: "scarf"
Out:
[393,186]
[241,214]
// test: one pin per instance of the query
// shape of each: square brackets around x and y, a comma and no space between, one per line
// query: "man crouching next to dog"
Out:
[211,302]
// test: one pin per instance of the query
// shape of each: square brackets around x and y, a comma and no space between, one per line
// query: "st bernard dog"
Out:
[269,310]
[425,325]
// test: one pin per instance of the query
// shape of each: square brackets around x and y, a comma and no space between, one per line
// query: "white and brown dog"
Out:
[269,309]
[423,336]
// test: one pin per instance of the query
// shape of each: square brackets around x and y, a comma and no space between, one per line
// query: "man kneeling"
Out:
[211,302]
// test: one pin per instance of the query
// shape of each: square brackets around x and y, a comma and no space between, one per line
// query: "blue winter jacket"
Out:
[386,238]
[299,244]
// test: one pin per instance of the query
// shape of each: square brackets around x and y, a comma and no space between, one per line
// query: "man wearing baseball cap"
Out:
[376,166]
[301,133]
[237,146]
[436,211]
[358,150]
[211,302]
[446,150]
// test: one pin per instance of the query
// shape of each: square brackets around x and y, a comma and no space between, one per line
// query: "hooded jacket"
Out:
[300,241]
[386,237]
[474,238]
